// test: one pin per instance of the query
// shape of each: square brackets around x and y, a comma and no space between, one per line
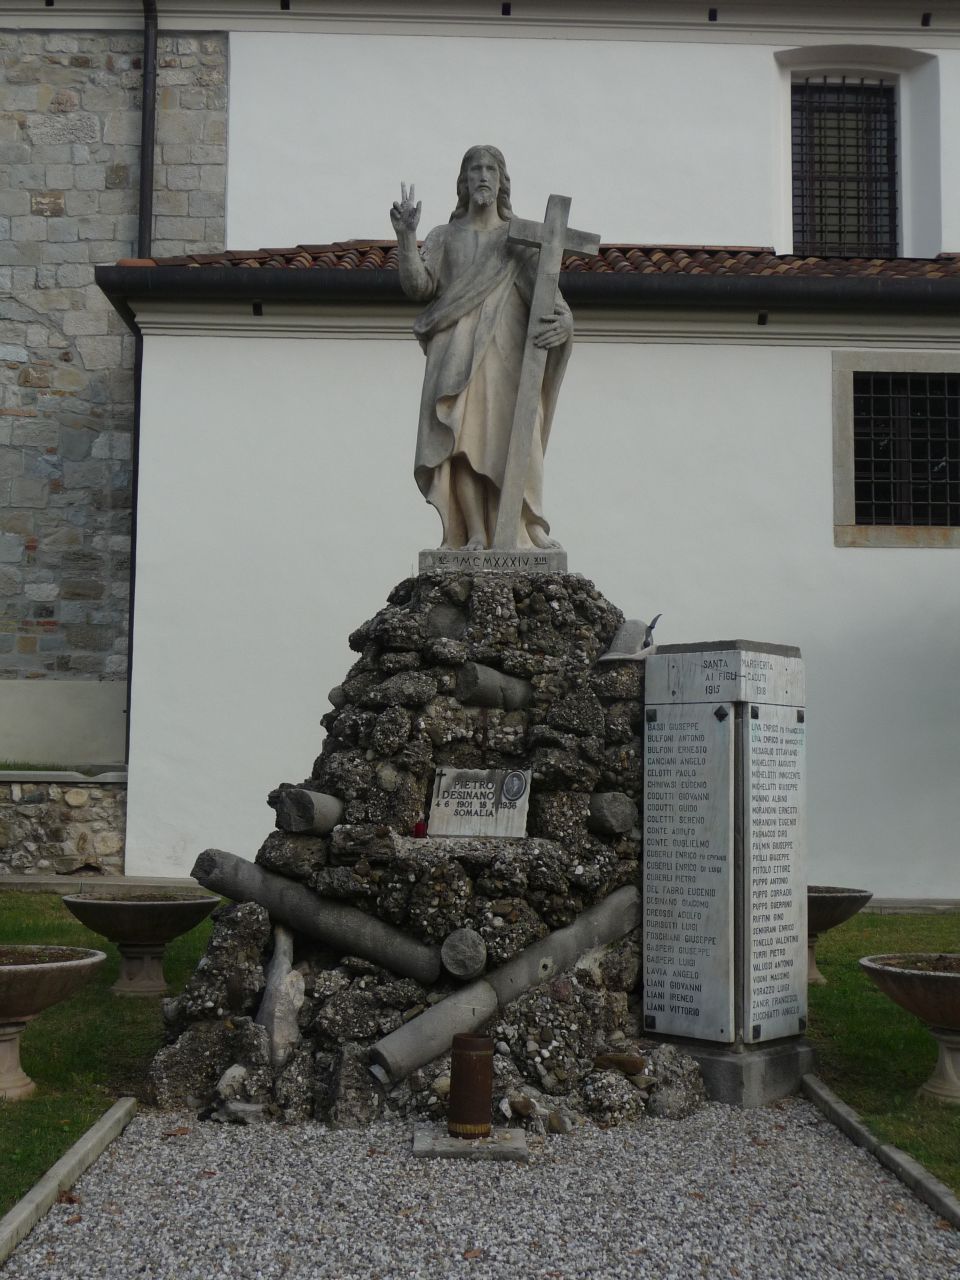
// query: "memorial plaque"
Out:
[730,671]
[480,802]
[775,890]
[688,873]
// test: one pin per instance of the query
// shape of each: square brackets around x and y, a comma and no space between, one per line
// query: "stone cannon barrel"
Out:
[337,925]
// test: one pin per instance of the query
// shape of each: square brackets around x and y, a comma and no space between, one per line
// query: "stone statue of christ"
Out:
[479,286]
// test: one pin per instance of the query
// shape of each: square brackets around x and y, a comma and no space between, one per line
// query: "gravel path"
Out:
[775,1194]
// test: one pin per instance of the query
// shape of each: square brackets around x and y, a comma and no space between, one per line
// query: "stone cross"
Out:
[551,237]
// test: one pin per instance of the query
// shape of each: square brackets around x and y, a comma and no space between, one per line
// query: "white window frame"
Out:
[917,78]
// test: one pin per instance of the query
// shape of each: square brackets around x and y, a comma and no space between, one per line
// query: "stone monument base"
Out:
[748,1076]
[491,561]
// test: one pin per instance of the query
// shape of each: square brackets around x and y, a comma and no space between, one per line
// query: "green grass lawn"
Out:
[84,1053]
[873,1054]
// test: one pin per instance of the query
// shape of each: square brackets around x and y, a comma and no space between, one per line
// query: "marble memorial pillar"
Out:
[724,879]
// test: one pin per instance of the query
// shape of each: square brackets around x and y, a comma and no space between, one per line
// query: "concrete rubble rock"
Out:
[679,1090]
[229,977]
[352,1099]
[294,1086]
[187,1072]
[610,1098]
[612,813]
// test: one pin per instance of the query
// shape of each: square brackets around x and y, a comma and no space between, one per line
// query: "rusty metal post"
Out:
[471,1087]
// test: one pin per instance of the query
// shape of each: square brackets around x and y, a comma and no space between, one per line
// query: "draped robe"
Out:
[473,335]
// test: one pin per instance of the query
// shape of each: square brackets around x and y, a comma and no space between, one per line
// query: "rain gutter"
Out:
[124,285]
[148,135]
[148,129]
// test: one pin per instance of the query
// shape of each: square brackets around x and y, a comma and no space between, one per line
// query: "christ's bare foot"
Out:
[541,539]
[475,544]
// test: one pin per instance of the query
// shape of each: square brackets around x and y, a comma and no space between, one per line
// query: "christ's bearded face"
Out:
[483,180]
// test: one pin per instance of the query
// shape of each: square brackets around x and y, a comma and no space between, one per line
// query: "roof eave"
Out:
[802,292]
[615,289]
[244,284]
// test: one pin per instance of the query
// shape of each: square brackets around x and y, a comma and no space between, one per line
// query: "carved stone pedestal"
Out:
[14,1081]
[141,969]
[944,1084]
[141,928]
[33,977]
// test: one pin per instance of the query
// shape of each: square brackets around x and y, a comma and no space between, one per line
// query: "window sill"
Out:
[891,535]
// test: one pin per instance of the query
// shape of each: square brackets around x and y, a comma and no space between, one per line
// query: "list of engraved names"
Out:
[776,893]
[688,874]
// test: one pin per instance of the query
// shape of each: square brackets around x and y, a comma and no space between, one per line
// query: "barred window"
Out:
[844,167]
[906,448]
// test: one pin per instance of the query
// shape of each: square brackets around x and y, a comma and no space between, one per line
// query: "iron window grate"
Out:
[906,448]
[845,168]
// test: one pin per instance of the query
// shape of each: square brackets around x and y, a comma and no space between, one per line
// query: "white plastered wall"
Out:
[657,143]
[670,142]
[949,151]
[277,509]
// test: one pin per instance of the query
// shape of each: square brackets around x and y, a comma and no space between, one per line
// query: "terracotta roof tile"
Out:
[623,259]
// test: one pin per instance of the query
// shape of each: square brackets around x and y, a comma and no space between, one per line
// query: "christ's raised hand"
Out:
[405,215]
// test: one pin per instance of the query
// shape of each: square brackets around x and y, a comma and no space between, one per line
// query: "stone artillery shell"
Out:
[425,1037]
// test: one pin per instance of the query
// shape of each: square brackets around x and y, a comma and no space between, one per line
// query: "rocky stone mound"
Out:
[433,664]
[484,671]
[565,1051]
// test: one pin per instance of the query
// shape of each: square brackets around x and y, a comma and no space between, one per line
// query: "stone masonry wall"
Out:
[69,173]
[61,828]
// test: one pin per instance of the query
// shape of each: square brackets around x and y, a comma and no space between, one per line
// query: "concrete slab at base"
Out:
[503,1144]
[749,1076]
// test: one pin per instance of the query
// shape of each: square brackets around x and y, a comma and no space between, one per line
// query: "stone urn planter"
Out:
[828,906]
[928,986]
[141,925]
[31,979]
